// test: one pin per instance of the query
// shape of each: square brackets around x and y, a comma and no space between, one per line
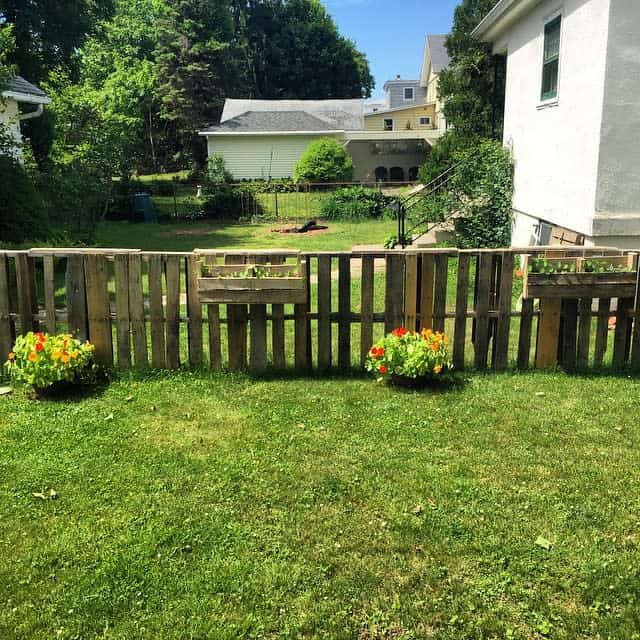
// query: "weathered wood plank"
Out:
[49,295]
[277,326]
[602,331]
[411,291]
[394,292]
[76,298]
[98,308]
[548,333]
[524,336]
[344,312]
[483,291]
[584,332]
[426,291]
[237,326]
[136,312]
[440,291]
[569,334]
[156,312]
[194,310]
[172,274]
[635,349]
[25,288]
[301,335]
[366,307]
[462,298]
[258,332]
[621,335]
[123,329]
[324,312]
[503,329]
[6,337]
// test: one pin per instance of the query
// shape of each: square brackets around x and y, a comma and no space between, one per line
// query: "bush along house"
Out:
[572,117]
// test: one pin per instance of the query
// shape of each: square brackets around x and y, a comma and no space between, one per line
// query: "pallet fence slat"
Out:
[172,275]
[194,310]
[548,333]
[426,291]
[440,292]
[505,295]
[569,334]
[324,312]
[394,292]
[462,299]
[25,293]
[76,298]
[6,338]
[411,291]
[49,294]
[366,306]
[278,328]
[136,312]
[156,312]
[524,335]
[602,331]
[635,340]
[344,311]
[481,345]
[236,326]
[258,332]
[123,329]
[584,332]
[98,308]
[621,333]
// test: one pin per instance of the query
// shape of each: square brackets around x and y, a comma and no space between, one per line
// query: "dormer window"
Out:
[409,94]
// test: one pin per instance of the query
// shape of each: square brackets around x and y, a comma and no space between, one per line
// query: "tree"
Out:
[324,160]
[472,88]
[7,71]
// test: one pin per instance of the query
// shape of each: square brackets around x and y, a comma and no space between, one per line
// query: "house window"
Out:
[388,124]
[408,93]
[425,121]
[551,59]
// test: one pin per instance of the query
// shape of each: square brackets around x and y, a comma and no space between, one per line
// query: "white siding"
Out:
[260,157]
[556,147]
[9,118]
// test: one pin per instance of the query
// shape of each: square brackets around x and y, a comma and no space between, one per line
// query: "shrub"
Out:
[217,172]
[325,160]
[40,361]
[358,203]
[407,354]
[226,202]
[22,210]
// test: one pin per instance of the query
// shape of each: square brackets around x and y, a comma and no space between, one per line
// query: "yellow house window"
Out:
[425,121]
[387,124]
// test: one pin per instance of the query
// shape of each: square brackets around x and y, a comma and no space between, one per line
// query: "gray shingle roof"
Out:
[439,54]
[20,85]
[340,115]
[272,121]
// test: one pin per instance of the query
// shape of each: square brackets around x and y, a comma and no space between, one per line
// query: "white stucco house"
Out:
[572,116]
[16,93]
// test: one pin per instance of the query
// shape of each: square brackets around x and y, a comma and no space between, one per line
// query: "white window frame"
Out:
[384,124]
[551,102]
[427,123]
[413,94]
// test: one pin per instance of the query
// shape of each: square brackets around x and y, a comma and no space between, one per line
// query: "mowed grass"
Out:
[199,506]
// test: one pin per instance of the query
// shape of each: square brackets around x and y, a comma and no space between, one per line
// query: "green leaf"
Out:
[541,541]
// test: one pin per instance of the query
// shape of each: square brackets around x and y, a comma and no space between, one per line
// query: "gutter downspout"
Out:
[32,114]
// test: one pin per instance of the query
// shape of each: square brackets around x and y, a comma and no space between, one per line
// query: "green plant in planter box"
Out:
[39,361]
[408,355]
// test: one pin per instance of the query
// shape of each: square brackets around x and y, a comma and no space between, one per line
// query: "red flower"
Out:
[377,352]
[401,331]
[41,337]
[39,347]
[382,369]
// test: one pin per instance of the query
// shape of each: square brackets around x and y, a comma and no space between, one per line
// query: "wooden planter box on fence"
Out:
[254,284]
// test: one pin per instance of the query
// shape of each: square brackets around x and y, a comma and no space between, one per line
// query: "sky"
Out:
[391,32]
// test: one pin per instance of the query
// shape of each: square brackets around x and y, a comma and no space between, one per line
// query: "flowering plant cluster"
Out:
[40,360]
[407,354]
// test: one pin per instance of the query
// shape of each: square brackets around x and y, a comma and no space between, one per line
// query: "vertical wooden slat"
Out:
[524,336]
[123,335]
[440,291]
[411,291]
[236,327]
[194,308]
[602,331]
[98,309]
[215,350]
[366,307]
[635,348]
[25,288]
[426,291]
[136,311]
[156,311]
[584,332]
[569,334]
[258,332]
[505,293]
[277,328]
[324,312]
[76,298]
[462,297]
[621,335]
[301,333]
[6,339]
[344,312]
[172,268]
[484,270]
[548,333]
[394,293]
[49,295]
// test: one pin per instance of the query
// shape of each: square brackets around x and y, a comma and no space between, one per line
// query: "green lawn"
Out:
[194,506]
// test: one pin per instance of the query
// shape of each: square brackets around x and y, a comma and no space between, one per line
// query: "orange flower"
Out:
[437,369]
[401,331]
[33,356]
[434,346]
[55,355]
[41,337]
[427,333]
[64,358]
[39,347]
[74,355]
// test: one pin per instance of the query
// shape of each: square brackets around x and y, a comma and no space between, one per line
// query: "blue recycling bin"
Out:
[144,210]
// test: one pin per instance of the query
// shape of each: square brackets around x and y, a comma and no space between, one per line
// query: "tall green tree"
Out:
[7,71]
[472,88]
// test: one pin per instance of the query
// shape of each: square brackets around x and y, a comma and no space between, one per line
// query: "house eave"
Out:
[414,105]
[26,97]
[501,17]
[270,133]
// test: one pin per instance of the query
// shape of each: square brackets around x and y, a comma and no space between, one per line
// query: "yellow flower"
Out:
[74,355]
[55,354]
[437,369]
[33,356]
[64,358]
[12,356]
[427,333]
